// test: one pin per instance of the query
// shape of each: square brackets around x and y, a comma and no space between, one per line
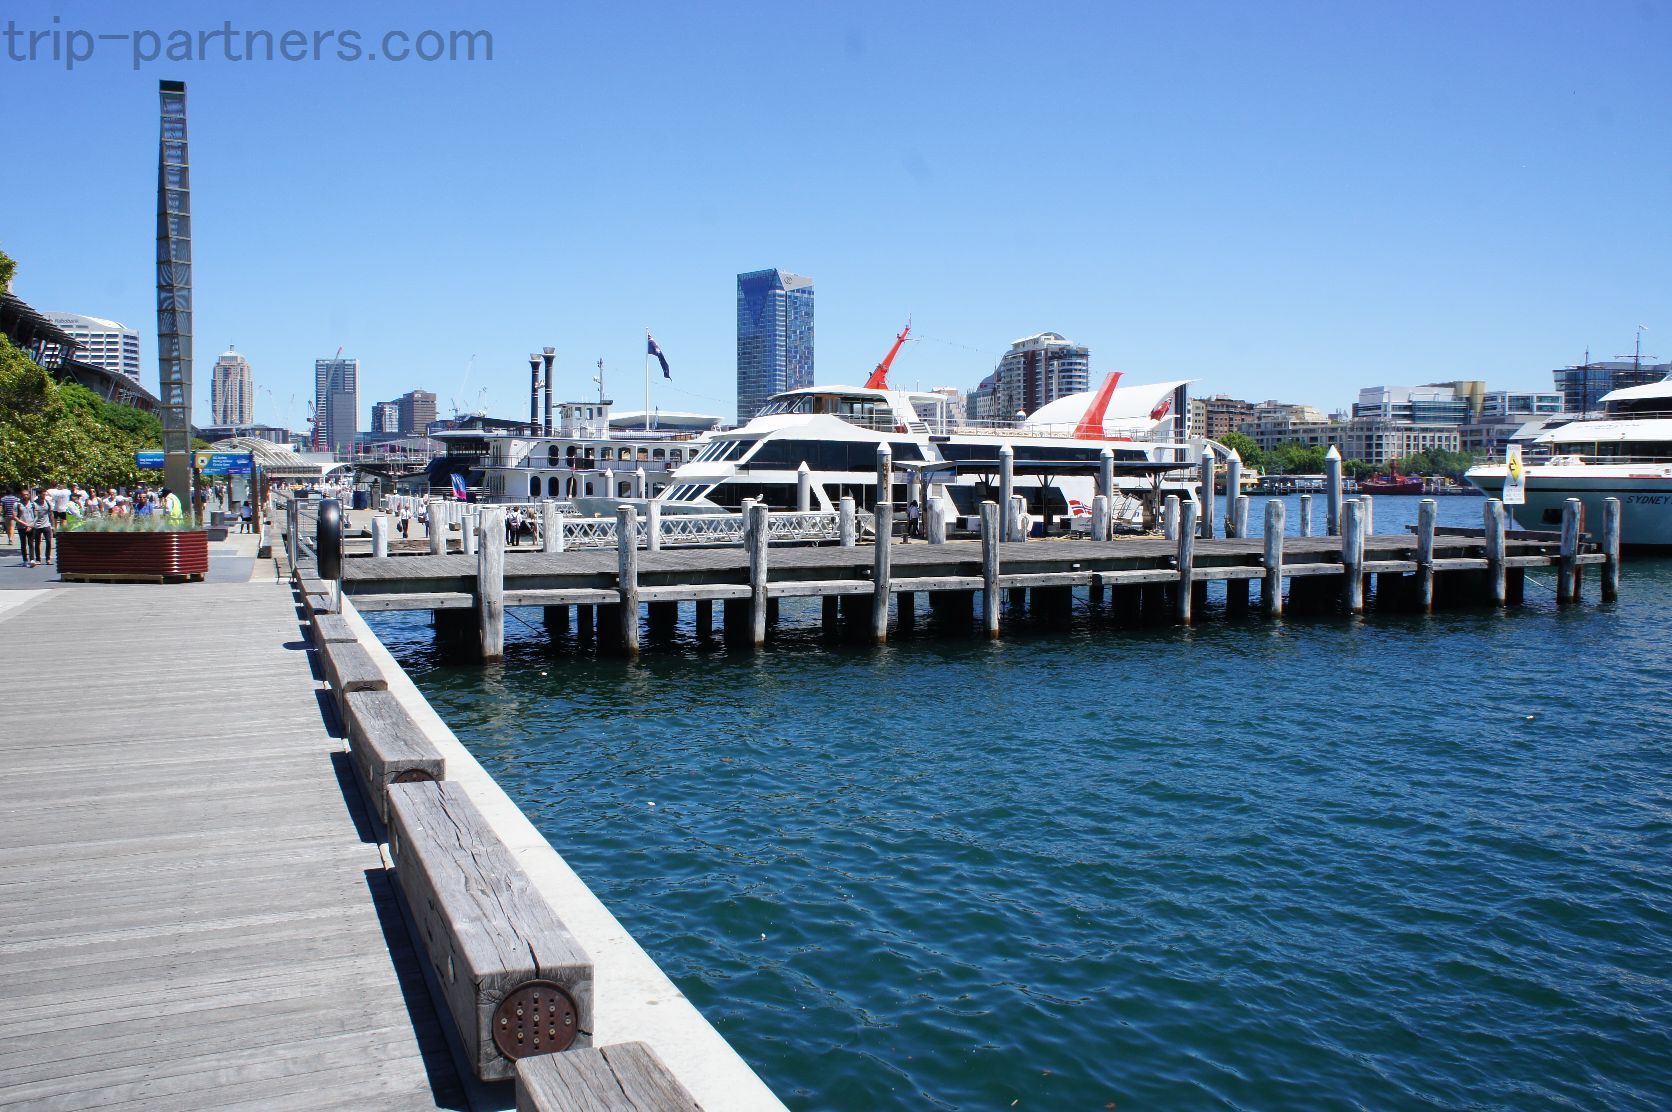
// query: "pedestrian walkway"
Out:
[192,913]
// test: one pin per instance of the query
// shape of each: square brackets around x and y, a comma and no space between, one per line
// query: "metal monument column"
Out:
[174,290]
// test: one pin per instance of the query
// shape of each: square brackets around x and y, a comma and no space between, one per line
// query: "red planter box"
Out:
[149,556]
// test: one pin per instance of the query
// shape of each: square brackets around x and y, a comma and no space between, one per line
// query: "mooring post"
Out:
[1106,473]
[1493,515]
[490,583]
[1271,589]
[1007,488]
[922,501]
[551,528]
[1610,549]
[1305,529]
[1210,500]
[653,526]
[1018,511]
[881,572]
[1186,561]
[627,579]
[1100,516]
[468,540]
[803,489]
[1240,516]
[755,536]
[1233,490]
[703,616]
[1428,513]
[885,473]
[1352,557]
[1332,492]
[1367,514]
[1170,517]
[938,510]
[846,529]
[1567,585]
[640,488]
[380,537]
[990,567]
[436,518]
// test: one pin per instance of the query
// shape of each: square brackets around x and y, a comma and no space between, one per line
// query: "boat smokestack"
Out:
[534,393]
[550,357]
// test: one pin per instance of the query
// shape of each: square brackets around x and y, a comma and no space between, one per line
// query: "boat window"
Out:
[657,453]
[906,449]
[534,487]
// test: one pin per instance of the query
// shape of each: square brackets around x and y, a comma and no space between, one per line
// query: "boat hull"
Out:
[1645,494]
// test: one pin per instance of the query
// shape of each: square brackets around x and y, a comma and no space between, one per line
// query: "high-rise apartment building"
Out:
[103,343]
[417,412]
[386,417]
[336,403]
[774,337]
[232,390]
[1036,370]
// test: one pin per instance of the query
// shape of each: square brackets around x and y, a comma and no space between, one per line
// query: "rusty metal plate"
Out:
[537,1017]
[412,776]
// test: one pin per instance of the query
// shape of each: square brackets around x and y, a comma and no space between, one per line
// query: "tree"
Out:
[1243,445]
[1294,458]
[1357,469]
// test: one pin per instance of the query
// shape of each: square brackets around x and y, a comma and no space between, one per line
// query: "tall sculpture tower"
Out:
[174,290]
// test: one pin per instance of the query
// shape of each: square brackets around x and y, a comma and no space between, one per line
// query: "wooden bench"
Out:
[388,746]
[516,981]
[623,1077]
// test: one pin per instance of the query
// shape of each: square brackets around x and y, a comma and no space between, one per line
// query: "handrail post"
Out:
[1428,512]
[627,577]
[882,572]
[990,567]
[1352,557]
[1610,549]
[1493,515]
[490,582]
[1271,589]
[755,536]
[1186,560]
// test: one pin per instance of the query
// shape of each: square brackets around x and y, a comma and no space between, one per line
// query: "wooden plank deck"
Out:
[189,915]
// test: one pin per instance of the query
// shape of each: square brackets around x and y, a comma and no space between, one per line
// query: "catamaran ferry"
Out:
[834,431]
[1624,453]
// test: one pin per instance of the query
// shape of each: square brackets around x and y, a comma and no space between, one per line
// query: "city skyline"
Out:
[1277,204]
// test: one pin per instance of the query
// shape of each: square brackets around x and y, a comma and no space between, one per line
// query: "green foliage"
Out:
[1357,469]
[1243,445]
[53,433]
[1294,458]
[1437,461]
[7,269]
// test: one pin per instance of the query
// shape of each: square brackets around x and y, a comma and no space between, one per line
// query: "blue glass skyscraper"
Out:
[774,337]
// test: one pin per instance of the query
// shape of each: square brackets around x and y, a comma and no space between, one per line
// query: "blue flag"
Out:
[460,491]
[656,350]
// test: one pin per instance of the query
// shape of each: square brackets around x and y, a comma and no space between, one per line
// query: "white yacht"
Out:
[1625,452]
[835,431]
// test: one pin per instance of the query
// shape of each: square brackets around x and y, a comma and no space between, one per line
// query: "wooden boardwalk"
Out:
[192,914]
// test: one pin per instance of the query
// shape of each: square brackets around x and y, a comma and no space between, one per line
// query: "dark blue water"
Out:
[1319,863]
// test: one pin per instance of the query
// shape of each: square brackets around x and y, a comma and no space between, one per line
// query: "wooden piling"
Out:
[936,514]
[905,607]
[1305,528]
[1184,593]
[1428,512]
[586,622]
[1100,516]
[885,473]
[1367,514]
[1239,515]
[469,532]
[703,616]
[1493,516]
[831,613]
[755,536]
[380,537]
[803,488]
[1170,517]
[556,618]
[653,526]
[436,515]
[1106,473]
[490,583]
[847,528]
[1332,492]
[627,583]
[1610,549]
[1567,581]
[1352,557]
[1209,499]
[990,568]
[551,529]
[1233,490]
[1007,489]
[881,571]
[662,618]
[1018,510]
[1271,589]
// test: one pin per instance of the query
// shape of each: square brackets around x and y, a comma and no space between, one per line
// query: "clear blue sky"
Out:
[1277,199]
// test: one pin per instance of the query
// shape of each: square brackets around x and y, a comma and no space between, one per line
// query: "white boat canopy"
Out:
[1611,432]
[1661,389]
[1131,409]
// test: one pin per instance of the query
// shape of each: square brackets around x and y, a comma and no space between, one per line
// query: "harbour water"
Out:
[1321,863]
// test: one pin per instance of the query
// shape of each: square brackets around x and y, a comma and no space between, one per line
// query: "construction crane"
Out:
[879,377]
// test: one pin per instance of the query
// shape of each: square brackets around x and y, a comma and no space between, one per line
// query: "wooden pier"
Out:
[1149,580]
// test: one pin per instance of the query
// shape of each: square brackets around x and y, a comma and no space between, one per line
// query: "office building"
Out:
[774,337]
[386,417]
[417,412]
[232,390]
[103,343]
[1214,417]
[336,403]
[1036,370]
[1582,387]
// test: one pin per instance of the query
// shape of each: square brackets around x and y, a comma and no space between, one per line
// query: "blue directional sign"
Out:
[148,461]
[224,463]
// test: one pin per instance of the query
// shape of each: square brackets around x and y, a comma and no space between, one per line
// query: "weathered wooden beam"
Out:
[1186,561]
[1271,591]
[1492,513]
[1352,557]
[990,526]
[490,580]
[435,521]
[1610,549]
[388,746]
[469,531]
[1305,528]
[1567,580]
[755,533]
[621,1077]
[1170,517]
[1428,512]
[551,527]
[653,526]
[1332,492]
[380,537]
[627,576]
[847,527]
[1106,474]
[1206,495]
[885,472]
[1007,490]
[515,980]
[881,571]
[1100,516]
[939,509]
[332,628]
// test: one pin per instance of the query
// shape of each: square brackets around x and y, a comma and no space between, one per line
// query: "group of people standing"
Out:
[32,517]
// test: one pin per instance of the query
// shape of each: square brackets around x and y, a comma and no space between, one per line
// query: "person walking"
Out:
[9,503]
[40,522]
[914,515]
[403,520]
[58,501]
[168,504]
[29,514]
[246,517]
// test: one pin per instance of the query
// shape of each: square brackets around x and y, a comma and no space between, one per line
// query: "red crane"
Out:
[879,377]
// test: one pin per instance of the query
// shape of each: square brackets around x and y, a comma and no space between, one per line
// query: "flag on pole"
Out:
[460,491]
[656,350]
